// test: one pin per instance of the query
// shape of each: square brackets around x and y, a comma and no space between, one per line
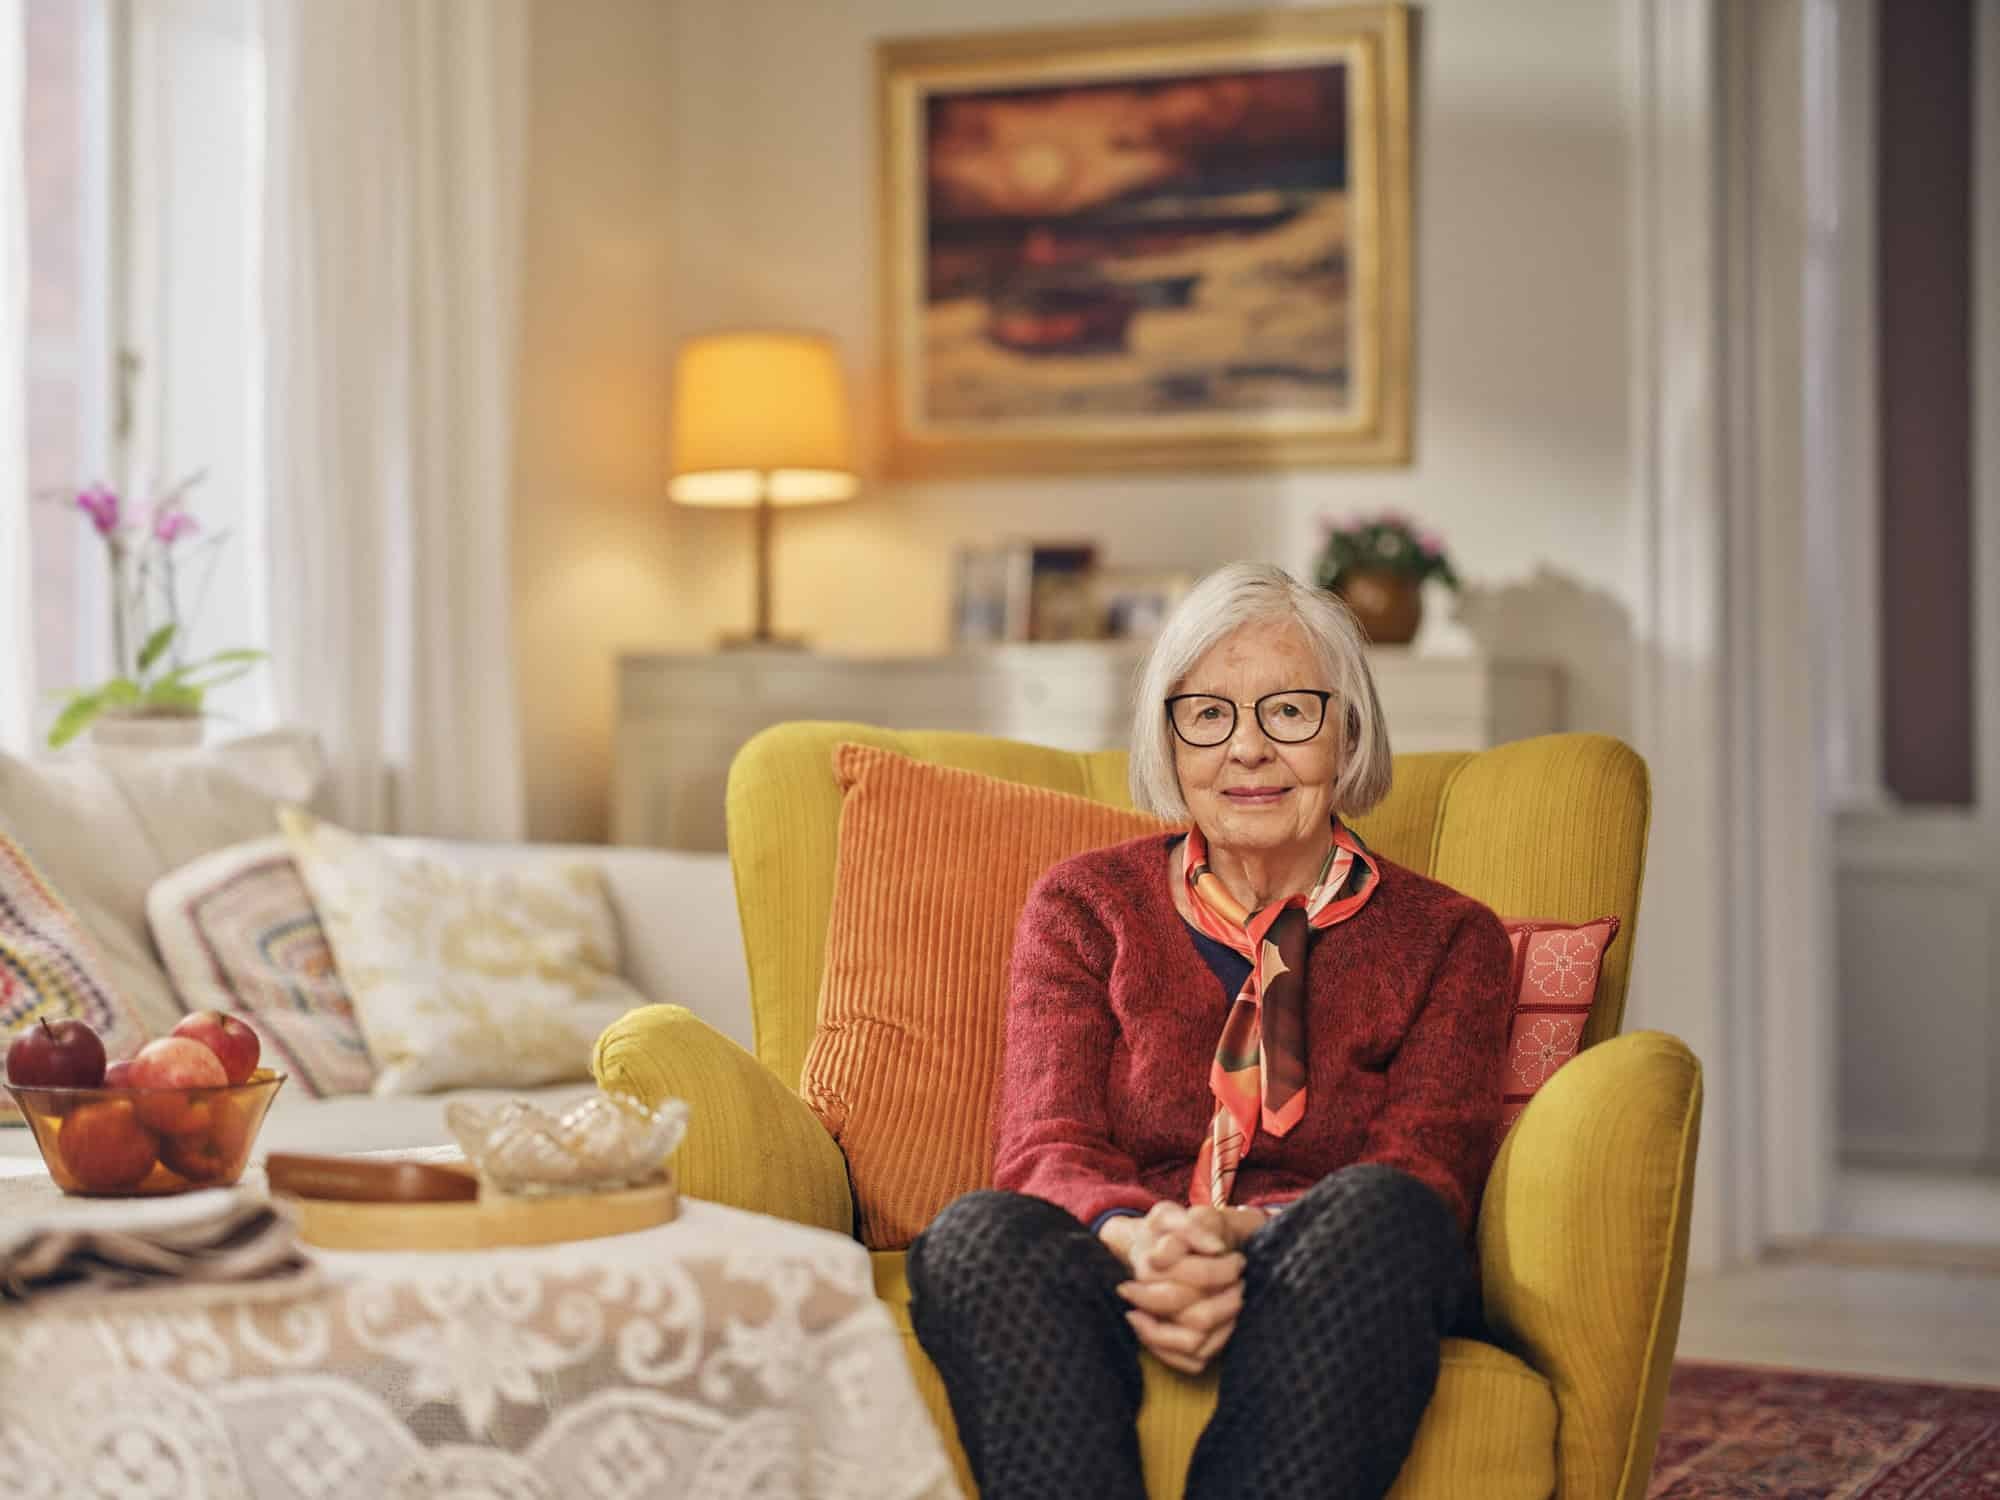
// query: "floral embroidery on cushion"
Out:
[1563,965]
[1541,1049]
[1557,969]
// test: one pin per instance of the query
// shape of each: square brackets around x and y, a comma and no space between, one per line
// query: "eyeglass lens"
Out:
[1288,718]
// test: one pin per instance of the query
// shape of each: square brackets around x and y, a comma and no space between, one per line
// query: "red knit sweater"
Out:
[1113,1020]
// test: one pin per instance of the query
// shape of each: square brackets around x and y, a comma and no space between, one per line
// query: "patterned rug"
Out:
[1737,1431]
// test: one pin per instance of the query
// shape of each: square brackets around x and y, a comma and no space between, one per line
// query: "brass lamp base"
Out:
[762,637]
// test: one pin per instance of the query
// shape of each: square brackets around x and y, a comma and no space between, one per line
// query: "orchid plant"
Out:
[1388,543]
[152,554]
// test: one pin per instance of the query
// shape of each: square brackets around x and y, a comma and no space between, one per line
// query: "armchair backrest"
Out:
[1553,827]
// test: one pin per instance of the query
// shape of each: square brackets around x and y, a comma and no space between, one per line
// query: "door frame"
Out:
[1739,286]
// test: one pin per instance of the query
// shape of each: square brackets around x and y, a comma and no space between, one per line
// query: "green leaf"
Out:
[217,677]
[213,671]
[177,696]
[120,692]
[75,717]
[156,644]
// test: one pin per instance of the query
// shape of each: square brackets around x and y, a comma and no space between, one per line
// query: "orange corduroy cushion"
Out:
[933,868]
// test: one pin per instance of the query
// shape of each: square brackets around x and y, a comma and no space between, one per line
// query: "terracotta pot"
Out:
[1390,606]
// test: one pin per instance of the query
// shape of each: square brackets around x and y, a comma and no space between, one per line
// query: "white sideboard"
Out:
[681,718]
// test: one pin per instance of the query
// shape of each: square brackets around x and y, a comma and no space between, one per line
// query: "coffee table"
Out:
[725,1354]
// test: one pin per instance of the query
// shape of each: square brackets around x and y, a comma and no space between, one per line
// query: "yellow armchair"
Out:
[1583,1233]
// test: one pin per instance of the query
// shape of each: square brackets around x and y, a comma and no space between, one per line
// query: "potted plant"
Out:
[1378,567]
[155,696]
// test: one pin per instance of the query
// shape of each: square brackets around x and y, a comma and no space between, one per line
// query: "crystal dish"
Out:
[608,1141]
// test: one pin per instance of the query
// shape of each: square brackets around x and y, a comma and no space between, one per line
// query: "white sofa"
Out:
[103,830]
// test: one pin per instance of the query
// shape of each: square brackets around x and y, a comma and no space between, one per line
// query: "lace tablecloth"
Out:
[725,1354]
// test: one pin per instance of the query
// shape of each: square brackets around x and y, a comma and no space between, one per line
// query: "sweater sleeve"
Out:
[1442,1118]
[1051,1132]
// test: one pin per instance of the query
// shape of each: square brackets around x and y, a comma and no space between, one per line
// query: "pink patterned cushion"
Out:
[237,932]
[49,967]
[1553,984]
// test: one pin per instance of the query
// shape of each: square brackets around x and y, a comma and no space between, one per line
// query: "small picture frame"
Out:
[1134,605]
[990,595]
[1025,591]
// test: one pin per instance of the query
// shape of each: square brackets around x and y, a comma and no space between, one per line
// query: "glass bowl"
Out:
[606,1142]
[142,1143]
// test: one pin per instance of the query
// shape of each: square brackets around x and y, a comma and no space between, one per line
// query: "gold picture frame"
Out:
[1181,244]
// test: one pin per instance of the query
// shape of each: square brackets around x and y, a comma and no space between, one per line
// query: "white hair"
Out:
[1231,597]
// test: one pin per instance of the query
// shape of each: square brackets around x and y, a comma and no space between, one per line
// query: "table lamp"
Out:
[760,419]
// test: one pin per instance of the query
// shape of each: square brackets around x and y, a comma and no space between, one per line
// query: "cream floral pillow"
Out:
[463,978]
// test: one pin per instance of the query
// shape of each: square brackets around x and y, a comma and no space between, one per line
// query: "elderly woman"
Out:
[1250,1095]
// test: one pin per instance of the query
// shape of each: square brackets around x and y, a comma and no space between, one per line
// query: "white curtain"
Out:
[394,161]
[17,637]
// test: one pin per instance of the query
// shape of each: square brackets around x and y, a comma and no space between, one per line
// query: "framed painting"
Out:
[1180,244]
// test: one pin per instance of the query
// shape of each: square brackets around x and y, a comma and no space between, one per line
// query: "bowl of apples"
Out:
[181,1113]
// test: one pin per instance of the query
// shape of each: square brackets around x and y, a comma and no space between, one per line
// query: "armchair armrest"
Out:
[1583,1241]
[751,1142]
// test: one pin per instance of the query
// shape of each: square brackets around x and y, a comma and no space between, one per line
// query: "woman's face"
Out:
[1251,794]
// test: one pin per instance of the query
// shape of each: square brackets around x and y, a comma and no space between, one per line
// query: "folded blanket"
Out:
[230,1237]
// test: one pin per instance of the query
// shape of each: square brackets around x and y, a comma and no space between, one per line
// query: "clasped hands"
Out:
[1187,1277]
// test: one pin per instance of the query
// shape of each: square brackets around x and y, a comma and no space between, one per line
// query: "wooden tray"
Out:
[485,1223]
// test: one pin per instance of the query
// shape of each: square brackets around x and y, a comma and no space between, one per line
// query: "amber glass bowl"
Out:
[141,1143]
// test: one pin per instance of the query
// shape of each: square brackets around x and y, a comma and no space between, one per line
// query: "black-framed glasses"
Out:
[1205,720]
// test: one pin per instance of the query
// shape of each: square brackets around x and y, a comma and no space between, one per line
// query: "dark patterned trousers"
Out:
[1346,1297]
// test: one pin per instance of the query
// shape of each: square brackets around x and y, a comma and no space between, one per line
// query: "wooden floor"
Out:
[1909,1312]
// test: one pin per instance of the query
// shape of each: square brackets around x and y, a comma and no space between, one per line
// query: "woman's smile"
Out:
[1256,796]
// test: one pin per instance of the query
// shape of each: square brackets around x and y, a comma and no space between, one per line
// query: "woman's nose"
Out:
[1248,743]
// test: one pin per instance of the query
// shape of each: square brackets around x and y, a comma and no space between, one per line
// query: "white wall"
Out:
[697,165]
[1521,431]
[591,571]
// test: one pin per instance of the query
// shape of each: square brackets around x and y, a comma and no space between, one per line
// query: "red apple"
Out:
[105,1147]
[56,1055]
[217,1152]
[228,1038]
[119,1074]
[168,1065]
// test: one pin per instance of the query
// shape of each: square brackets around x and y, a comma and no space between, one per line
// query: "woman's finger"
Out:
[1210,1313]
[1202,1235]
[1217,1338]
[1211,1273]
[1158,1338]
[1160,1333]
[1207,1226]
[1163,1299]
[1186,1364]
[1204,1230]
[1161,1255]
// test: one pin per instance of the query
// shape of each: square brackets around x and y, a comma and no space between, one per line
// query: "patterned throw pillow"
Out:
[463,978]
[237,932]
[1553,986]
[49,968]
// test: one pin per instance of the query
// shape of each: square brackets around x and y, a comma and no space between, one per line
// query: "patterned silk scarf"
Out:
[1260,1066]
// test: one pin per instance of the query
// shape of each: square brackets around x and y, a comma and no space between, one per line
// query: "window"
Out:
[144,128]
[68,299]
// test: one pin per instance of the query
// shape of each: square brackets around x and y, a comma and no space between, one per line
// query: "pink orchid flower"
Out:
[171,523]
[102,506]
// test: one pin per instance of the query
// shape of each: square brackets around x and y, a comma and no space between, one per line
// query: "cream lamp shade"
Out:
[760,417]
